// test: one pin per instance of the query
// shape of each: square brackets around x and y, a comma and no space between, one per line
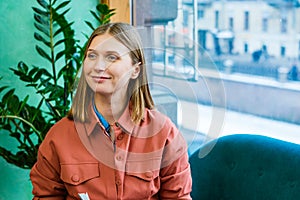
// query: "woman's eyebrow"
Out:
[113,52]
[91,49]
[105,51]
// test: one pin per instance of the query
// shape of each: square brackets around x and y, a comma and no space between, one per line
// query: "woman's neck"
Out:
[109,109]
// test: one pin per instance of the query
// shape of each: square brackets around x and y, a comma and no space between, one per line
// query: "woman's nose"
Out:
[100,65]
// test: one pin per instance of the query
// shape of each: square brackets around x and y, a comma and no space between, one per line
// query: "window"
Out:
[282,51]
[245,48]
[246,21]
[255,70]
[200,14]
[265,24]
[217,13]
[283,25]
[185,17]
[231,24]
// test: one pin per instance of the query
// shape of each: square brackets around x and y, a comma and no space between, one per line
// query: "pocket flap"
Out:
[76,174]
[146,176]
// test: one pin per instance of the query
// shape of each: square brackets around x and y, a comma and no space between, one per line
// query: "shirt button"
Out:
[120,137]
[118,182]
[75,178]
[119,158]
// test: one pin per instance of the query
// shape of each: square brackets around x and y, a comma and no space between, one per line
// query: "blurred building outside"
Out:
[257,37]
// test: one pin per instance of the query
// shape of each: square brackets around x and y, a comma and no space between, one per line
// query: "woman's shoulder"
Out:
[154,123]
[157,117]
[61,127]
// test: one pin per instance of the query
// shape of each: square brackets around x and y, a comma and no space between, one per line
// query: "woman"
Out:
[113,144]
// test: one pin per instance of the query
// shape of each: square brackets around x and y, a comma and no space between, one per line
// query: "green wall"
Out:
[18,44]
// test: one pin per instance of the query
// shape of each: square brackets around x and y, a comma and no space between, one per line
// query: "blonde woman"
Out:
[113,144]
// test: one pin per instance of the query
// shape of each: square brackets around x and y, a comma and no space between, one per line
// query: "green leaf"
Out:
[40,38]
[41,19]
[59,42]
[33,71]
[102,8]
[56,17]
[25,78]
[41,12]
[38,75]
[3,88]
[43,3]
[7,126]
[63,4]
[59,55]
[54,2]
[46,73]
[8,96]
[95,15]
[23,104]
[22,67]
[31,85]
[43,29]
[64,27]
[42,53]
[13,104]
[16,72]
[90,25]
[15,135]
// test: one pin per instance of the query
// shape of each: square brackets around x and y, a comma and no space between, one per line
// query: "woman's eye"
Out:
[111,58]
[92,56]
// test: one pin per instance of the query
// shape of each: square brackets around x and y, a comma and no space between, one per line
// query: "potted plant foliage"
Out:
[53,82]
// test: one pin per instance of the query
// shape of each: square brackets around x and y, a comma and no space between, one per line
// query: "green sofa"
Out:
[246,167]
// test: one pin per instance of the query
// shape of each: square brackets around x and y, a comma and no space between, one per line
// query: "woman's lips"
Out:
[100,79]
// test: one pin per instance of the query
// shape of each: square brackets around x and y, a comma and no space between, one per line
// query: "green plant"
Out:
[56,44]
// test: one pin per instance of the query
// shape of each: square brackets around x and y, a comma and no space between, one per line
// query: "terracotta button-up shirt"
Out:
[148,161]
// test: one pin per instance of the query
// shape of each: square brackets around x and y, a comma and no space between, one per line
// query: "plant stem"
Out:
[51,44]
[25,121]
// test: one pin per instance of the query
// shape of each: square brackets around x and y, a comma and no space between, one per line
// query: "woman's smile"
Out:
[100,79]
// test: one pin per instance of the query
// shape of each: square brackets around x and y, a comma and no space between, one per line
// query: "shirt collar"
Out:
[101,118]
[125,122]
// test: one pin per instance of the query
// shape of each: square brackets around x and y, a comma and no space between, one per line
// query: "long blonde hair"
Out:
[138,89]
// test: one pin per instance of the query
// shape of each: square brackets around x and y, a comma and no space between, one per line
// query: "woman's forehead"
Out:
[107,42]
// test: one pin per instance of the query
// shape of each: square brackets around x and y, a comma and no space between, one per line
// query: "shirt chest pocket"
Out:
[76,174]
[142,185]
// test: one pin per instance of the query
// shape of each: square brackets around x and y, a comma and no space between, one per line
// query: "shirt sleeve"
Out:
[45,177]
[176,180]
[175,174]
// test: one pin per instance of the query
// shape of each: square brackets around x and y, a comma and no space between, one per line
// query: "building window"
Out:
[231,26]
[283,25]
[265,24]
[185,17]
[282,51]
[217,13]
[200,14]
[246,21]
[245,48]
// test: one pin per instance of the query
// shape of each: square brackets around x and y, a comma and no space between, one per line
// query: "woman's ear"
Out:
[136,70]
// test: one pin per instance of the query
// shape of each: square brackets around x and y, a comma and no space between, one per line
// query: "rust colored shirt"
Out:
[146,161]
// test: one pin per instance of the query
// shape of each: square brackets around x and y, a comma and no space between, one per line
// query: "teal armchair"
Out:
[246,167]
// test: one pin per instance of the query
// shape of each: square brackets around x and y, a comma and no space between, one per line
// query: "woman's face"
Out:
[108,66]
